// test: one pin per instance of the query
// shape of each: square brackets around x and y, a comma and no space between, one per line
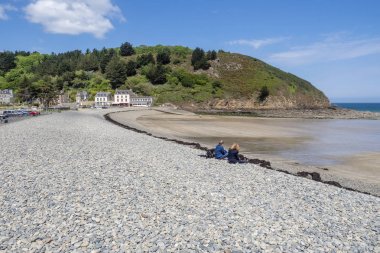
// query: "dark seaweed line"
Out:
[265,164]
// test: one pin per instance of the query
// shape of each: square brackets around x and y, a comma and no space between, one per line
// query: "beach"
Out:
[74,182]
[288,143]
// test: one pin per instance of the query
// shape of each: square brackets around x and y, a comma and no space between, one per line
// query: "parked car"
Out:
[34,113]
[3,118]
[10,113]
[24,112]
[20,112]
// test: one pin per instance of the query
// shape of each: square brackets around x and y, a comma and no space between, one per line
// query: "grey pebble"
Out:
[72,181]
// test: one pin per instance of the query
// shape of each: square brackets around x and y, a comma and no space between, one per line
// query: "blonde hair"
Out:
[235,146]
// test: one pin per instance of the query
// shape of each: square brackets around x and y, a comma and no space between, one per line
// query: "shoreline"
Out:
[328,113]
[316,173]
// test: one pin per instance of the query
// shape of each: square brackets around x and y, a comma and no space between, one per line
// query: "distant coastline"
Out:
[333,112]
[369,107]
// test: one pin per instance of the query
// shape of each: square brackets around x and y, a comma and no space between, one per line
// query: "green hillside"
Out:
[171,74]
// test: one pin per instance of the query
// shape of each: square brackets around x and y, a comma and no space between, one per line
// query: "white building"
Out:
[141,101]
[6,96]
[128,98]
[103,99]
[123,97]
[82,96]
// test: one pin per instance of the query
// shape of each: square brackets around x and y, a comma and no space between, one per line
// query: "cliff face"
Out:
[243,77]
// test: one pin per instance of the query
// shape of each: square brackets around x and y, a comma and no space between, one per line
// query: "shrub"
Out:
[264,93]
[163,57]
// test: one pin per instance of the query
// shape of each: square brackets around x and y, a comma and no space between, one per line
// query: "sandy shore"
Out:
[269,135]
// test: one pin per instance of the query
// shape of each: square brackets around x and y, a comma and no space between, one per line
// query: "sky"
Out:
[334,44]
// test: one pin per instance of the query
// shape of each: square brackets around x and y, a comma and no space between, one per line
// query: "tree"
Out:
[199,60]
[131,68]
[81,79]
[202,64]
[89,62]
[156,74]
[98,83]
[264,93]
[163,57]
[7,61]
[105,56]
[65,66]
[197,55]
[126,49]
[25,65]
[22,53]
[25,90]
[211,55]
[46,91]
[116,72]
[139,85]
[145,59]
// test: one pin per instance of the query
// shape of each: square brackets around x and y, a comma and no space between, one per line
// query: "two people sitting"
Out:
[232,154]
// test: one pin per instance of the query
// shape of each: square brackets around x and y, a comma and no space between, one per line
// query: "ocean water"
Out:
[332,140]
[371,107]
[319,142]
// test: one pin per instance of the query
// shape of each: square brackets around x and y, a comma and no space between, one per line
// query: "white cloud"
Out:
[3,9]
[256,44]
[74,16]
[333,48]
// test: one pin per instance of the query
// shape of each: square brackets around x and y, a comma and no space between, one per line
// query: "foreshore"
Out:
[355,172]
[74,182]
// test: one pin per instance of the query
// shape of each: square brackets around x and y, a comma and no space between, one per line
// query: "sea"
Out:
[336,138]
[333,140]
[370,107]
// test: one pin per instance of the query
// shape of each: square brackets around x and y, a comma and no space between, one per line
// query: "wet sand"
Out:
[263,138]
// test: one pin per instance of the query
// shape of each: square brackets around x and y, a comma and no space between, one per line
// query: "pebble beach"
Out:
[74,182]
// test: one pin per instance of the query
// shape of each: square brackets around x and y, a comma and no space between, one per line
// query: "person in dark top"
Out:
[220,152]
[233,154]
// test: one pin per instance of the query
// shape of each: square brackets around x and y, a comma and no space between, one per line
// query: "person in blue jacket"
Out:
[220,152]
[233,154]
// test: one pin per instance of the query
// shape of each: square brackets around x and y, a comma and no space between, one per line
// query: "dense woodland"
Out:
[167,73]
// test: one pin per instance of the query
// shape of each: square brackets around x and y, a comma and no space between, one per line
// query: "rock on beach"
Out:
[74,182]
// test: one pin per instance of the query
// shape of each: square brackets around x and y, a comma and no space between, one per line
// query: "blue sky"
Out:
[334,44]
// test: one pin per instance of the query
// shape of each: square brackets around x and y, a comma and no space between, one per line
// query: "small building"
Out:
[6,96]
[141,101]
[82,96]
[123,97]
[63,98]
[103,99]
